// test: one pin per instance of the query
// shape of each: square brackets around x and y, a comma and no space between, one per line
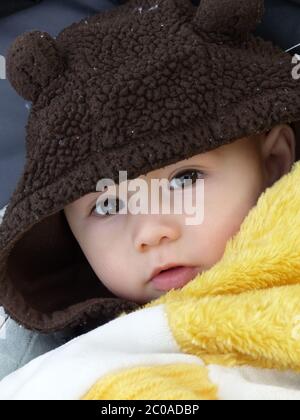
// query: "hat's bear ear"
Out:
[229,16]
[32,61]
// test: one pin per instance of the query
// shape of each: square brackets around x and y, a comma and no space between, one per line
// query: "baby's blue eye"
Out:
[112,205]
[108,207]
[188,177]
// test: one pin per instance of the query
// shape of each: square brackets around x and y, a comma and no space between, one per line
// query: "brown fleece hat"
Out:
[138,88]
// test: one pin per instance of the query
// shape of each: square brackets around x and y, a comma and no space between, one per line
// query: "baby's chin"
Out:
[151,294]
[148,295]
[144,296]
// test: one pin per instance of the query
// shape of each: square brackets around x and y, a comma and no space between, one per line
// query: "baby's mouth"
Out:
[174,277]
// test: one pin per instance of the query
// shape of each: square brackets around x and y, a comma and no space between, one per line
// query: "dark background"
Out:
[281,24]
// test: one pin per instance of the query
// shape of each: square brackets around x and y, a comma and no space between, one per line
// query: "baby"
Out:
[163,90]
[234,176]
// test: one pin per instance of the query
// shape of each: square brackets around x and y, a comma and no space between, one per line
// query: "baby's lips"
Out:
[174,278]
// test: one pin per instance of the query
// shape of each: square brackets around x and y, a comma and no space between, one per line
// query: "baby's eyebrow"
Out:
[203,163]
[92,197]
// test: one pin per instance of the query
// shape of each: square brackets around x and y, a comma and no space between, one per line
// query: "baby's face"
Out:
[125,249]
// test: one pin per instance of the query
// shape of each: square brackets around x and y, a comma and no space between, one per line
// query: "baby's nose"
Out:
[155,231]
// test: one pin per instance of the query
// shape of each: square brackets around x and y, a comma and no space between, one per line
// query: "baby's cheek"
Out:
[109,269]
[115,272]
[217,243]
[232,223]
[215,234]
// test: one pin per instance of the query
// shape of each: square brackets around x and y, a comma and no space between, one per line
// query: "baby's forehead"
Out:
[201,161]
